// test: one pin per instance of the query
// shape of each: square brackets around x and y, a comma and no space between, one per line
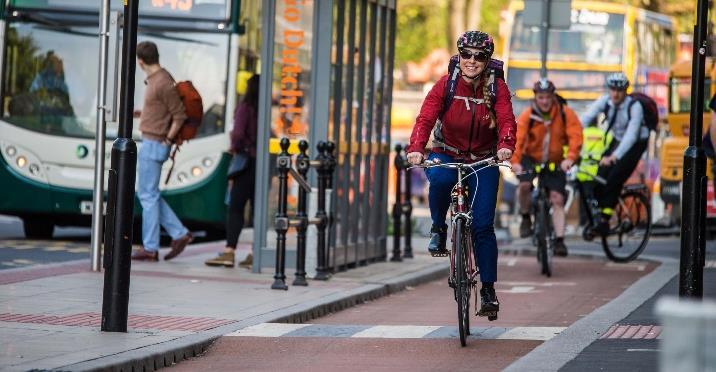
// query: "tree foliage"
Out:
[422,27]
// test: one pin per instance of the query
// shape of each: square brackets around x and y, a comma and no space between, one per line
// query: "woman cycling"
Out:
[476,125]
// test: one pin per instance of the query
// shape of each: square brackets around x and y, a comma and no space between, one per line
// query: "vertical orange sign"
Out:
[291,93]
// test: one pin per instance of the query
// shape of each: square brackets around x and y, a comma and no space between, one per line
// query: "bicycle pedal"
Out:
[444,253]
[492,318]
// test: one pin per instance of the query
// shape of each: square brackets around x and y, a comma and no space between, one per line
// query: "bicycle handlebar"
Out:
[491,161]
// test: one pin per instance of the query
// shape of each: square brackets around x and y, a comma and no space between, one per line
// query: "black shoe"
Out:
[525,226]
[438,237]
[559,248]
[489,305]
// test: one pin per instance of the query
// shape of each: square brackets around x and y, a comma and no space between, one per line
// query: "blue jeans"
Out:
[155,211]
[483,210]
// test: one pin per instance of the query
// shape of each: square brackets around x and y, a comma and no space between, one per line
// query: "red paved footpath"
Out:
[423,333]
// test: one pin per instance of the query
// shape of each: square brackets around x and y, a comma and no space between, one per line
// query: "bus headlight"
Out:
[182,177]
[196,171]
[207,162]
[11,151]
[21,161]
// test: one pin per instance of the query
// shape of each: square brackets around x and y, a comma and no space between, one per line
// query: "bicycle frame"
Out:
[460,209]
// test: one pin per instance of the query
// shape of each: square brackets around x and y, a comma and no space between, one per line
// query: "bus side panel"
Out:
[205,201]
[22,196]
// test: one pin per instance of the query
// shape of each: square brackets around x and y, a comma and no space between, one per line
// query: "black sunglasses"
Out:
[479,56]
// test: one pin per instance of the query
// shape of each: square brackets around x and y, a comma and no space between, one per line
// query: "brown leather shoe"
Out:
[144,255]
[178,246]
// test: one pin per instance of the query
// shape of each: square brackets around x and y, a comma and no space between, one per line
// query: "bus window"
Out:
[680,93]
[593,37]
[200,58]
[50,84]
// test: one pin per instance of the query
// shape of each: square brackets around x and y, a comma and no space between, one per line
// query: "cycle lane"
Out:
[416,329]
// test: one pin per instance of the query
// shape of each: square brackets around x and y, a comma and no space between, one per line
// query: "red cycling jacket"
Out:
[459,118]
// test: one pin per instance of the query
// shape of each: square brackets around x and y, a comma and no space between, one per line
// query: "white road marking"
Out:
[538,284]
[268,330]
[396,332]
[531,333]
[519,289]
[653,350]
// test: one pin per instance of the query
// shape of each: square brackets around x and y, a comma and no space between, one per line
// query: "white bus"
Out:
[49,98]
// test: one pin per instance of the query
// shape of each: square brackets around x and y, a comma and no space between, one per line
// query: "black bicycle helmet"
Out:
[476,39]
[544,86]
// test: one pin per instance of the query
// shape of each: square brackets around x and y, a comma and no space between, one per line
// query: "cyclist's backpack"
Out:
[194,109]
[494,71]
[651,110]
[649,107]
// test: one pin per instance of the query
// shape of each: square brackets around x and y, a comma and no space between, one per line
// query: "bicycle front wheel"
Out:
[629,228]
[542,232]
[462,285]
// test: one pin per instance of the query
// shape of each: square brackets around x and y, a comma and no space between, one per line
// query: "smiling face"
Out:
[471,68]
[544,101]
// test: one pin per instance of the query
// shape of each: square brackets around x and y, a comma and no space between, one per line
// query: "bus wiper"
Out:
[50,25]
[161,35]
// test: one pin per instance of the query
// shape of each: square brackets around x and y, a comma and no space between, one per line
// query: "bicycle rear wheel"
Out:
[629,228]
[462,286]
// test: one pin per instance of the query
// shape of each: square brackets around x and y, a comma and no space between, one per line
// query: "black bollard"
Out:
[331,165]
[322,264]
[330,168]
[283,163]
[303,165]
[397,207]
[120,203]
[407,211]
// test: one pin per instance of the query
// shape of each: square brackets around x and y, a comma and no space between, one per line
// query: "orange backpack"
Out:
[194,109]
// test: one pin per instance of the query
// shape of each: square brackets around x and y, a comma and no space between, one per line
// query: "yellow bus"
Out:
[603,38]
[672,148]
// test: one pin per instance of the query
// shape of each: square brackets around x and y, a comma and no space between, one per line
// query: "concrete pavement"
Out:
[50,317]
[416,329]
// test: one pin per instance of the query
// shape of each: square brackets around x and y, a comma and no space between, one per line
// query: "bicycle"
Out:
[630,225]
[463,271]
[543,234]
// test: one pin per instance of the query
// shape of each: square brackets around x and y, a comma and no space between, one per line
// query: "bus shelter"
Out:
[329,79]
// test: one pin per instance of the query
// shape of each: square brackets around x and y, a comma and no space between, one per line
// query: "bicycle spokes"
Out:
[629,228]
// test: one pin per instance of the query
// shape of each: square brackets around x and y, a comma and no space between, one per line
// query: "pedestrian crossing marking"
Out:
[396,332]
[531,333]
[274,330]
[268,330]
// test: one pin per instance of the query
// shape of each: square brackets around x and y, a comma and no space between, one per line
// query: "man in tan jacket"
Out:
[161,118]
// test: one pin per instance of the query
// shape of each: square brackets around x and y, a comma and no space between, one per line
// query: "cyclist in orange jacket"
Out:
[542,132]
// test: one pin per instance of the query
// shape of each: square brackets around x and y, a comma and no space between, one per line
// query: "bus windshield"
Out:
[680,94]
[593,37]
[50,82]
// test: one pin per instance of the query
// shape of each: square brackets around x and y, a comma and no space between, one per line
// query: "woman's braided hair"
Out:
[486,95]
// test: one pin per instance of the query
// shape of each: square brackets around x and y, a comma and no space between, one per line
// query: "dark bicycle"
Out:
[630,225]
[463,272]
[543,235]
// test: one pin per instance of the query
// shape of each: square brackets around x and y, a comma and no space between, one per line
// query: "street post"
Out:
[120,204]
